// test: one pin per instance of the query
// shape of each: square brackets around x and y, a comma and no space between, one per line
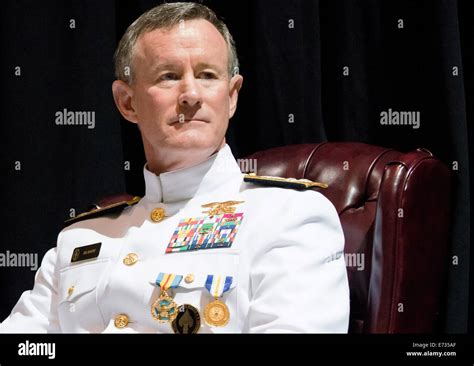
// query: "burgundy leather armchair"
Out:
[395,212]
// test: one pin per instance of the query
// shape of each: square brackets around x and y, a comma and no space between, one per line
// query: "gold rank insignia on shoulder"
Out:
[294,183]
[97,212]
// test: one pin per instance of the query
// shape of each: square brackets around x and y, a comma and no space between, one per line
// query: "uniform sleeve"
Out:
[36,310]
[298,278]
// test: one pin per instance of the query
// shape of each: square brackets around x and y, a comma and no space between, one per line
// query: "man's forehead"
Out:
[196,36]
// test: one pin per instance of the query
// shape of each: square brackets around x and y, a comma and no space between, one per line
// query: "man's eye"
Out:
[207,75]
[169,76]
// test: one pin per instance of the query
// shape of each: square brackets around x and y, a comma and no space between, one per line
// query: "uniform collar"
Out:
[184,184]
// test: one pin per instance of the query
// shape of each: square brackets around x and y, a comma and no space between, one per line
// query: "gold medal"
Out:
[188,320]
[164,309]
[216,313]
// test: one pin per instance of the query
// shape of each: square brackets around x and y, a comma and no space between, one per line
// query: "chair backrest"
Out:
[395,212]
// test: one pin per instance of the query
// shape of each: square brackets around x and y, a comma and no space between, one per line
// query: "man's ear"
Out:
[234,88]
[123,94]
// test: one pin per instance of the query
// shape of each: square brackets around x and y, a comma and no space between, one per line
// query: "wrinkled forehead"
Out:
[195,40]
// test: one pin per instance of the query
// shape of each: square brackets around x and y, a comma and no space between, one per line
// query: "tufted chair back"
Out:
[395,212]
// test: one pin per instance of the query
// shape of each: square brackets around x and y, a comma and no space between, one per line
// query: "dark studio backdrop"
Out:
[333,65]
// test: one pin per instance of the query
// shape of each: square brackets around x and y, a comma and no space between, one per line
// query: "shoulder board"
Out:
[96,212]
[266,180]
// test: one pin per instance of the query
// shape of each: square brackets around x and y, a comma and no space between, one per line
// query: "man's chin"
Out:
[192,144]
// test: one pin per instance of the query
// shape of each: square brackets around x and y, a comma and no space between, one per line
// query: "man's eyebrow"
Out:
[173,65]
[165,65]
[205,65]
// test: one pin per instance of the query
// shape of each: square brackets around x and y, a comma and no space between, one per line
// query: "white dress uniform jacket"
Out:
[286,261]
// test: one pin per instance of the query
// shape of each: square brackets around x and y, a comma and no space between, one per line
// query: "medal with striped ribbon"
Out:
[216,312]
[165,309]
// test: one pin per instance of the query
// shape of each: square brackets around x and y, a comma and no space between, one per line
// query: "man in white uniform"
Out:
[203,250]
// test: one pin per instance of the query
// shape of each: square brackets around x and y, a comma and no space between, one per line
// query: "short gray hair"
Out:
[166,16]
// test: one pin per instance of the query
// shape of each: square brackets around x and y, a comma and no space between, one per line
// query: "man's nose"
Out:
[190,95]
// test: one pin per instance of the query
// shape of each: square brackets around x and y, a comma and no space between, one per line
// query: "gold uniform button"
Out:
[130,259]
[189,278]
[157,214]
[121,321]
[70,290]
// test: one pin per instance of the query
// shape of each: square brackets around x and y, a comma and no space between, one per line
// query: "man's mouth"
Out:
[187,120]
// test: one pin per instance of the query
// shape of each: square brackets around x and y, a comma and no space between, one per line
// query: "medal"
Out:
[165,309]
[187,320]
[216,313]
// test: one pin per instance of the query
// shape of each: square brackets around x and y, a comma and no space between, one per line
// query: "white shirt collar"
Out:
[184,184]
